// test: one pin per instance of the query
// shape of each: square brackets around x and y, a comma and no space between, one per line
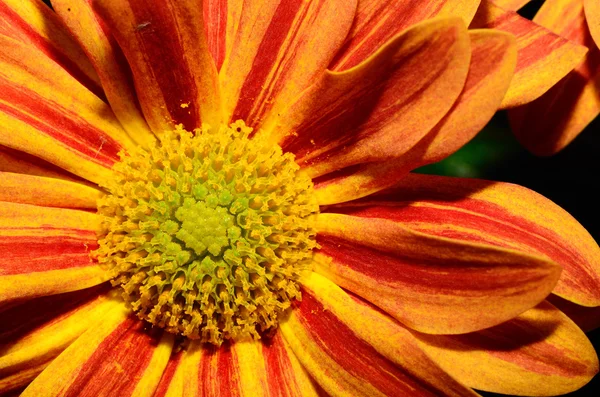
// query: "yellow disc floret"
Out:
[208,232]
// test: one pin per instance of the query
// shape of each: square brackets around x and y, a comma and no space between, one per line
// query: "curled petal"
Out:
[432,284]
[116,354]
[175,78]
[379,109]
[46,251]
[543,57]
[275,50]
[539,353]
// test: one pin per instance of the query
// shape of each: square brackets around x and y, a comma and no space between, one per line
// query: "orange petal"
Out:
[512,5]
[586,318]
[45,251]
[592,16]
[251,368]
[109,62]
[429,283]
[492,64]
[117,355]
[376,22]
[45,112]
[171,381]
[331,332]
[543,57]
[276,49]
[382,107]
[539,353]
[550,123]
[33,23]
[494,213]
[34,333]
[19,162]
[44,191]
[165,45]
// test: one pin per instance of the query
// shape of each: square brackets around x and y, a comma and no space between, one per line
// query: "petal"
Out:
[171,381]
[382,107]
[45,112]
[117,355]
[34,333]
[276,50]
[431,284]
[512,5]
[46,251]
[44,191]
[539,353]
[543,57]
[109,62]
[252,368]
[175,79]
[376,22]
[348,355]
[586,318]
[33,23]
[592,16]
[494,213]
[350,328]
[19,162]
[550,123]
[492,64]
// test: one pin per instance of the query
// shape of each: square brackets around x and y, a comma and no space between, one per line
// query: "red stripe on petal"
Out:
[215,16]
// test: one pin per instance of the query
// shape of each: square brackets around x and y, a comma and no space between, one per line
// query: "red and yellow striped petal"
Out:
[34,333]
[19,162]
[377,22]
[46,251]
[539,353]
[592,16]
[109,62]
[245,368]
[544,58]
[117,354]
[165,45]
[431,284]
[381,108]
[44,191]
[586,318]
[34,23]
[351,348]
[172,379]
[494,213]
[45,112]
[492,64]
[550,123]
[276,49]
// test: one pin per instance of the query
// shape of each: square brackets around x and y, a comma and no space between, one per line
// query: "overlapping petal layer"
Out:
[108,60]
[381,108]
[430,283]
[34,23]
[19,162]
[116,354]
[44,191]
[45,251]
[34,333]
[551,122]
[165,45]
[377,22]
[493,58]
[46,112]
[586,318]
[275,49]
[539,353]
[543,57]
[352,349]
[592,16]
[493,213]
[243,368]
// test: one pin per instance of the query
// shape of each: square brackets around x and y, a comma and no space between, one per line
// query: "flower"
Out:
[256,209]
[551,122]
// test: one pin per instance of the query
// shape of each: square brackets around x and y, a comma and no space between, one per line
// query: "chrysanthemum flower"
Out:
[212,198]
[551,122]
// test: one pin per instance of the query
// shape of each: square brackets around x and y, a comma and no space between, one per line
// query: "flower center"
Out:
[208,233]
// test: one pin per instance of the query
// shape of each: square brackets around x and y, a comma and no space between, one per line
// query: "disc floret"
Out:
[208,232]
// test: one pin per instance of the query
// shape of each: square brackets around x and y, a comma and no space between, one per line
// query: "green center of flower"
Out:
[208,233]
